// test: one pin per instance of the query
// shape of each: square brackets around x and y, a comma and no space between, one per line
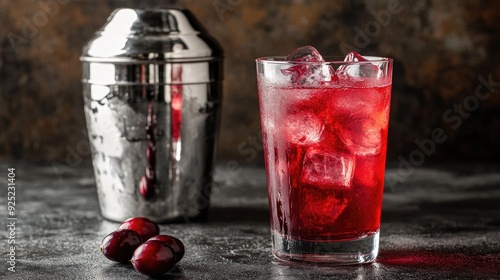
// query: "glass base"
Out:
[357,251]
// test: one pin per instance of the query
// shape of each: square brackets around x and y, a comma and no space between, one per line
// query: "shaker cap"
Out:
[149,36]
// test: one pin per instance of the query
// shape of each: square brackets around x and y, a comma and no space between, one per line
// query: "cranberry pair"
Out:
[157,255]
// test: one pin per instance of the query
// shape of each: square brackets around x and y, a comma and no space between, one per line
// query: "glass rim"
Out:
[280,60]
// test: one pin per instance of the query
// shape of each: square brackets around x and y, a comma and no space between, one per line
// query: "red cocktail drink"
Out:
[325,147]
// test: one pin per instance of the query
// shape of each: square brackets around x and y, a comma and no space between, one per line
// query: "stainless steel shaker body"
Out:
[152,84]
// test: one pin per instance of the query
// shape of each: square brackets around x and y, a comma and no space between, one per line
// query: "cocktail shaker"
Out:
[152,87]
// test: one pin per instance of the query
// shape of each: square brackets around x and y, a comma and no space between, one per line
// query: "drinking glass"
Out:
[324,128]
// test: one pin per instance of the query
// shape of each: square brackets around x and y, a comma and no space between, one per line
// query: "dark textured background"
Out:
[440,48]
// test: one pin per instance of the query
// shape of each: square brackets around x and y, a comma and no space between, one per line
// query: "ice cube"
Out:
[362,136]
[307,74]
[354,56]
[319,209]
[357,70]
[361,102]
[327,168]
[303,127]
[305,53]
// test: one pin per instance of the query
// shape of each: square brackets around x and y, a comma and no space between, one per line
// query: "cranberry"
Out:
[173,242]
[119,245]
[153,258]
[143,226]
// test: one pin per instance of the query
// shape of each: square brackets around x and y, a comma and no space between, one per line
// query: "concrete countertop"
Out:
[441,222]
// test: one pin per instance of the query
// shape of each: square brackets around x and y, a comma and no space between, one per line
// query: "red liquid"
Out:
[325,151]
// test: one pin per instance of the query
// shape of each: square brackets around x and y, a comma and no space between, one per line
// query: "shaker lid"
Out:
[149,36]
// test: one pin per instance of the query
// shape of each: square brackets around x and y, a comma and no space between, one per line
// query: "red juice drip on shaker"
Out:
[148,180]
